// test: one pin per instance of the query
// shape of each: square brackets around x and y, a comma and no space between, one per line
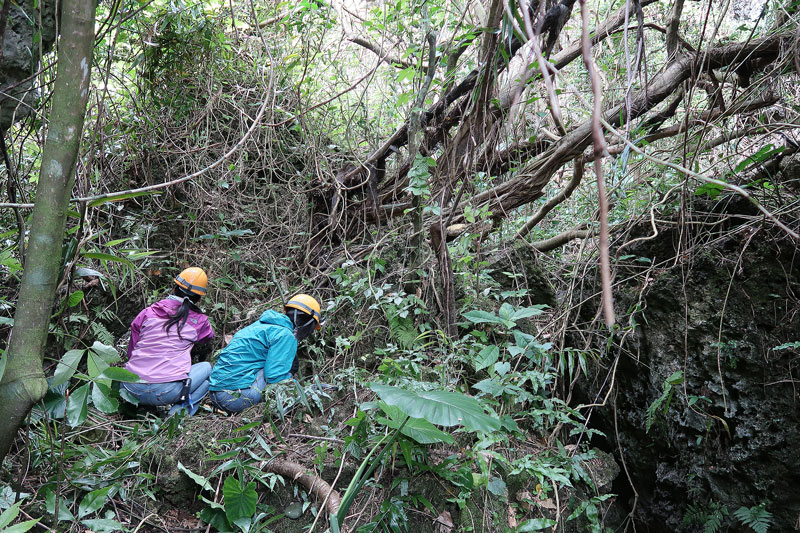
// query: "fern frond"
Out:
[694,515]
[102,334]
[756,518]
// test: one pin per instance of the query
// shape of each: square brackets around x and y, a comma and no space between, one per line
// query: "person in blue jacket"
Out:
[261,353]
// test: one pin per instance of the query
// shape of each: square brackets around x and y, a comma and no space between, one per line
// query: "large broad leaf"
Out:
[77,405]
[103,525]
[417,429]
[442,408]
[75,298]
[489,386]
[107,353]
[55,401]
[22,527]
[525,312]
[479,317]
[240,501]
[101,398]
[95,365]
[9,514]
[537,524]
[216,518]
[120,374]
[487,357]
[197,478]
[66,367]
[94,501]
[63,511]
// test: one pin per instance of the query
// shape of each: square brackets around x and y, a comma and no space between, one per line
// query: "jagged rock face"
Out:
[517,267]
[729,436]
[21,54]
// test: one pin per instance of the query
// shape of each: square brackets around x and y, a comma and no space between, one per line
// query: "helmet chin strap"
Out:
[302,329]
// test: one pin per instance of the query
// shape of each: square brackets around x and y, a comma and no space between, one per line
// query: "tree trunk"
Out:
[23,382]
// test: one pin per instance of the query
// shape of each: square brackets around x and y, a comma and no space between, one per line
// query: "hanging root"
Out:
[314,484]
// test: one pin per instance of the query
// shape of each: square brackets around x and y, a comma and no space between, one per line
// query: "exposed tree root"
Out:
[314,484]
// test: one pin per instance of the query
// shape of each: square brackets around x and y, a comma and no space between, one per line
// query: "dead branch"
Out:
[561,239]
[439,109]
[383,55]
[314,484]
[532,178]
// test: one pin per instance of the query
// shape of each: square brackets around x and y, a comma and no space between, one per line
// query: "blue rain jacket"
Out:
[268,344]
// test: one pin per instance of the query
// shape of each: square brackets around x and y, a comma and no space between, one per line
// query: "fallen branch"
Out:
[314,484]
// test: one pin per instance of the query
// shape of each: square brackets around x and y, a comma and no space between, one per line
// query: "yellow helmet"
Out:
[308,305]
[194,280]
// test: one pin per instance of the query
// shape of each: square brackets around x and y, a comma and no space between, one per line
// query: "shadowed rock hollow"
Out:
[718,316]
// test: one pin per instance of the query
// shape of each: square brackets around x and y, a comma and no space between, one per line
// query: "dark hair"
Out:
[180,316]
[304,324]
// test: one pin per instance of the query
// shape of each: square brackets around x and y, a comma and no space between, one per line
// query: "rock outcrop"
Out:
[28,34]
[722,322]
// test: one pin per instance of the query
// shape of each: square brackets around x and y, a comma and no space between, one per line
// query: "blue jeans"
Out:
[155,394]
[236,401]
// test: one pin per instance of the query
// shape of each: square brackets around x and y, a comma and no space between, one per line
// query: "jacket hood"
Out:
[276,319]
[165,308]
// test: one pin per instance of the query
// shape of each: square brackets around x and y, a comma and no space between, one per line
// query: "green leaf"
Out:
[22,527]
[3,361]
[480,317]
[101,398]
[9,514]
[442,408]
[66,367]
[120,374]
[525,312]
[487,357]
[77,406]
[240,502]
[75,298]
[498,487]
[94,365]
[502,368]
[676,378]
[490,387]
[763,154]
[216,518]
[94,501]
[712,190]
[197,478]
[107,257]
[63,511]
[417,429]
[537,524]
[107,353]
[103,525]
[785,346]
[116,198]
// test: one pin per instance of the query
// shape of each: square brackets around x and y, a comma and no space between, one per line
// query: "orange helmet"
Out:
[308,305]
[194,280]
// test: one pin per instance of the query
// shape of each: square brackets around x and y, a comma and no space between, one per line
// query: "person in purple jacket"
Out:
[159,352]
